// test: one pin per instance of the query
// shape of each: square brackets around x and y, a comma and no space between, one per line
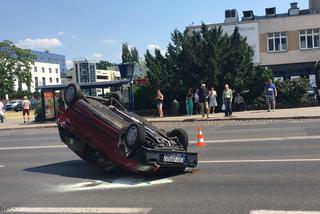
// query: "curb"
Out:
[236,119]
[53,125]
[32,126]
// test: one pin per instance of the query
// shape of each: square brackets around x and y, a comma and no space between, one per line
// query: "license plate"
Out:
[173,159]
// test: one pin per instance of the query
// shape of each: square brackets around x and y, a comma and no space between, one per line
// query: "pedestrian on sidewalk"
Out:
[239,102]
[189,102]
[203,100]
[271,94]
[212,100]
[159,100]
[227,100]
[196,102]
[26,106]
[2,110]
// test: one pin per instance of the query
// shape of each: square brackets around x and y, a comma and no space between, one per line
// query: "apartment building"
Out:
[290,43]
[52,58]
[42,74]
[287,43]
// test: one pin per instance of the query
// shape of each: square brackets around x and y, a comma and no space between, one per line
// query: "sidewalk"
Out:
[14,120]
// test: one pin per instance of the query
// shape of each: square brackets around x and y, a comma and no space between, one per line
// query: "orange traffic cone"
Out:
[200,142]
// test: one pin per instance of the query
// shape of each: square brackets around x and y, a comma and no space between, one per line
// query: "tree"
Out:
[15,64]
[207,56]
[129,56]
[104,64]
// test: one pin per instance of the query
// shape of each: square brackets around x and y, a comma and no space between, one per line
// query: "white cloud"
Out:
[61,33]
[152,47]
[109,41]
[97,55]
[39,43]
[69,64]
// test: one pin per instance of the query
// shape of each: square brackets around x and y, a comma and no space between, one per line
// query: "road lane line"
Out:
[282,212]
[1,166]
[28,139]
[259,161]
[31,147]
[261,139]
[77,210]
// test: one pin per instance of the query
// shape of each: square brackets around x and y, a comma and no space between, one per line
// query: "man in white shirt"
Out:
[26,106]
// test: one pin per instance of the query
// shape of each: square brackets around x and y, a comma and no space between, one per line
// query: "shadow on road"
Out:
[83,170]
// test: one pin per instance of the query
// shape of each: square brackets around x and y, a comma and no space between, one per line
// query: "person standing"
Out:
[271,94]
[227,100]
[239,102]
[203,100]
[196,102]
[212,100]
[1,112]
[26,106]
[189,102]
[159,99]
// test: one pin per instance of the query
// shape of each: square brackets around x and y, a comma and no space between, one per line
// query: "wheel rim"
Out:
[70,92]
[132,135]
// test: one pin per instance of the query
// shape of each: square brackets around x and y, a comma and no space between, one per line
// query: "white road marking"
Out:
[29,139]
[260,161]
[193,142]
[31,147]
[282,212]
[114,184]
[77,210]
[316,137]
[1,166]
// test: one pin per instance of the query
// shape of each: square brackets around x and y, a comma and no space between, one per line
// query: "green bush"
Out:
[292,91]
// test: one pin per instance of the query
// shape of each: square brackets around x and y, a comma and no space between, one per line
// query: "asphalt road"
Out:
[247,166]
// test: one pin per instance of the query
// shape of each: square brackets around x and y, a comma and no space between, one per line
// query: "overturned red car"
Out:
[102,132]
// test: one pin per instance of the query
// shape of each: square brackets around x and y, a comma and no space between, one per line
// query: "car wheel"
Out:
[72,94]
[182,136]
[135,136]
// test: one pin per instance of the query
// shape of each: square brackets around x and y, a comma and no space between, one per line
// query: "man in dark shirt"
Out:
[203,100]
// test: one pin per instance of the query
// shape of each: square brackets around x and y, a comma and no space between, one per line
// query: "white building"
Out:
[42,74]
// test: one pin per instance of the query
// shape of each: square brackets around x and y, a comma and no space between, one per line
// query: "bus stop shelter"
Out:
[51,93]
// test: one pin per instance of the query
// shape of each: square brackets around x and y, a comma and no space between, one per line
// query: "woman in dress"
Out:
[212,100]
[159,99]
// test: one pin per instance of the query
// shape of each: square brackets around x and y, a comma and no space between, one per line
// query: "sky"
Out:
[96,29]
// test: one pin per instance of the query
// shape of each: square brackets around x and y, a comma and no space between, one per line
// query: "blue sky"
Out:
[96,29]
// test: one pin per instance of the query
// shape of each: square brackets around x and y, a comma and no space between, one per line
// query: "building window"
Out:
[43,81]
[50,70]
[42,69]
[57,71]
[57,80]
[310,39]
[36,82]
[50,79]
[35,69]
[277,42]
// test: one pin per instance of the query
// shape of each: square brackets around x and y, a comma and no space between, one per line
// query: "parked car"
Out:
[102,132]
[14,105]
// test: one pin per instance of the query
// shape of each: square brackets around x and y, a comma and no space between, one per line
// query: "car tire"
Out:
[182,136]
[135,136]
[72,94]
